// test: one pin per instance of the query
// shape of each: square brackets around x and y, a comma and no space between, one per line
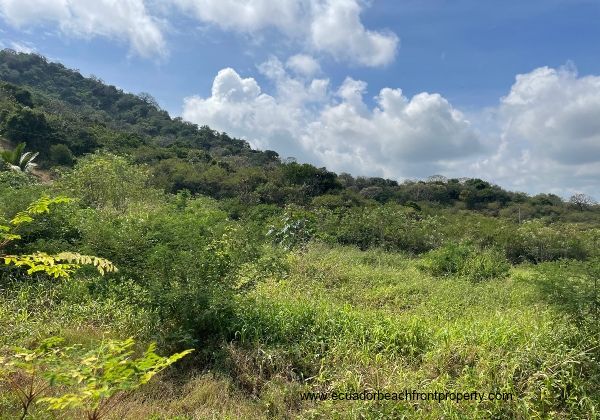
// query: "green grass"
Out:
[351,320]
[346,320]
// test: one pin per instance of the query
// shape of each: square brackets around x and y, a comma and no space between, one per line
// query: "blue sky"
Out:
[401,89]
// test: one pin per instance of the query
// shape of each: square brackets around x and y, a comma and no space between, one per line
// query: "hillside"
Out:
[63,115]
[303,293]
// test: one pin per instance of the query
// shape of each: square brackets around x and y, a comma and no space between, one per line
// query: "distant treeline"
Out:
[63,115]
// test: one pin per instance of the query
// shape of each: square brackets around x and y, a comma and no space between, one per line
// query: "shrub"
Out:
[60,154]
[447,260]
[485,265]
[105,181]
[392,227]
[465,260]
[295,228]
[536,242]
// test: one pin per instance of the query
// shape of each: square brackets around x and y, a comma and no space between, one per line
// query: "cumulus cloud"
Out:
[126,20]
[555,114]
[333,27]
[330,26]
[311,121]
[543,136]
[337,29]
[547,134]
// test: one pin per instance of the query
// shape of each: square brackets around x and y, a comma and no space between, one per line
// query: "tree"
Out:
[582,201]
[60,154]
[149,99]
[437,178]
[18,159]
[31,126]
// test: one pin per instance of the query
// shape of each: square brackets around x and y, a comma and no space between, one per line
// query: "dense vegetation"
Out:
[285,278]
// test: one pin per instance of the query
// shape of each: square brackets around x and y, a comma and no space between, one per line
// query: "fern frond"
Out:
[58,266]
[41,205]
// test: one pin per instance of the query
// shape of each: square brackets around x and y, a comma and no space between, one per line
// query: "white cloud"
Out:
[546,132]
[333,27]
[337,29]
[304,65]
[330,26]
[544,135]
[398,137]
[118,19]
[555,114]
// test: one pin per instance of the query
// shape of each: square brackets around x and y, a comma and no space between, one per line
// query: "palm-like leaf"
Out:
[19,161]
[26,162]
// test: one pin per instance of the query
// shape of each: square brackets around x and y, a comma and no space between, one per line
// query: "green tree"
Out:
[31,126]
[60,154]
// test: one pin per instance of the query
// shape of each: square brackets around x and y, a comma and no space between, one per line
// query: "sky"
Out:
[508,91]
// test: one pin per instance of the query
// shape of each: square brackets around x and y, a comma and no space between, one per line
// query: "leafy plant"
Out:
[465,260]
[295,228]
[26,371]
[95,380]
[448,259]
[18,159]
[484,265]
[102,376]
[59,265]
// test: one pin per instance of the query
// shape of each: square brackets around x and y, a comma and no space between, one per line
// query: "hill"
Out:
[304,293]
[63,115]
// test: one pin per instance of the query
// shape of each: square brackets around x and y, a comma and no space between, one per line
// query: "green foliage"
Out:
[28,373]
[28,125]
[391,227]
[60,154]
[9,233]
[14,180]
[105,181]
[21,95]
[465,260]
[59,265]
[484,265]
[293,229]
[91,380]
[104,373]
[448,259]
[536,241]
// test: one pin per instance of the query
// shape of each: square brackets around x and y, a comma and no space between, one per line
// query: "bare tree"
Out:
[582,201]
[437,178]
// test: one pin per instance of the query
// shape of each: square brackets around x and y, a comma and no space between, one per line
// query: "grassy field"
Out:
[343,320]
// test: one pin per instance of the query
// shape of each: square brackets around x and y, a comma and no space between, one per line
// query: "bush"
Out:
[391,226]
[447,260]
[60,154]
[105,181]
[465,260]
[536,242]
[294,229]
[485,265]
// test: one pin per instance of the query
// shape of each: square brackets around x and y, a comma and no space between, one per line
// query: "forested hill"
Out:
[64,116]
[87,103]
